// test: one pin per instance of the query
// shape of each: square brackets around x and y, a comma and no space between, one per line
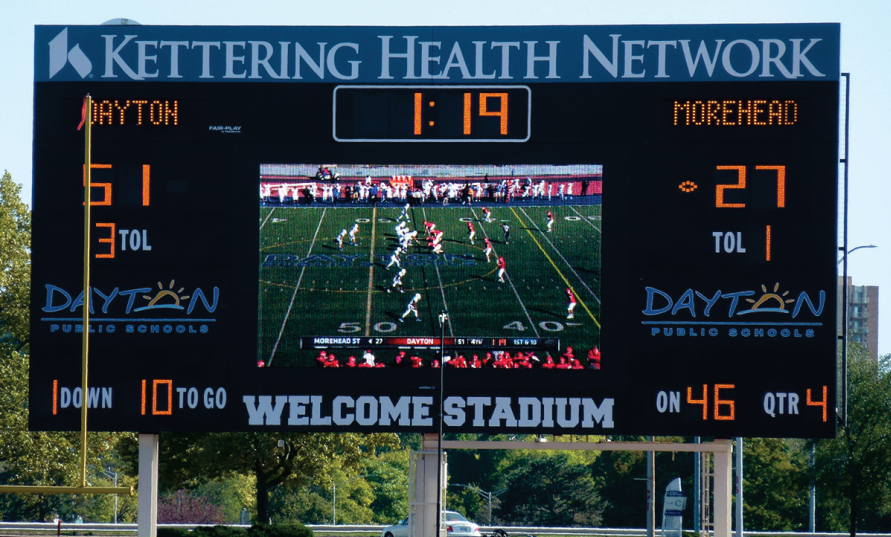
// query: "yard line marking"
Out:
[268,216]
[509,280]
[370,272]
[584,218]
[441,290]
[551,261]
[296,288]
[574,273]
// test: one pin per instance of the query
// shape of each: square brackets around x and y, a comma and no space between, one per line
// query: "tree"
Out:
[30,458]
[853,471]
[272,459]
[620,478]
[551,490]
[15,267]
[775,479]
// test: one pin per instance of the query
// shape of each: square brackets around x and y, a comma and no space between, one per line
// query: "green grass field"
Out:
[310,288]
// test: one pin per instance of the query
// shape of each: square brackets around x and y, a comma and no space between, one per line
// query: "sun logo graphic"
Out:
[165,295]
[769,297]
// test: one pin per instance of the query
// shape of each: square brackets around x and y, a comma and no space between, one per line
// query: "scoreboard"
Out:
[580,229]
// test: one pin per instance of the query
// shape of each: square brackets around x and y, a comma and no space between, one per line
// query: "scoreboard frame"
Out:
[716,148]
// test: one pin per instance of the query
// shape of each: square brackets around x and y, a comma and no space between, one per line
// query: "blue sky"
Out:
[866,54]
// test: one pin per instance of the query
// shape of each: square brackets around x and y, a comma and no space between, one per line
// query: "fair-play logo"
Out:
[61,55]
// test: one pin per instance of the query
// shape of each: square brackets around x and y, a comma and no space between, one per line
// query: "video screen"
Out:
[471,266]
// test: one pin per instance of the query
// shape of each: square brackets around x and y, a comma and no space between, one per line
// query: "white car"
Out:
[456,525]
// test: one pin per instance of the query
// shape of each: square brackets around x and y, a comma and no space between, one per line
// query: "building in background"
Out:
[863,314]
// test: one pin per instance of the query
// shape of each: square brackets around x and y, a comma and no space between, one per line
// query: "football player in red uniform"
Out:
[489,249]
[570,304]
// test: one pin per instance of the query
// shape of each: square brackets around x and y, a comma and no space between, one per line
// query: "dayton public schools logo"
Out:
[60,55]
[127,309]
[775,312]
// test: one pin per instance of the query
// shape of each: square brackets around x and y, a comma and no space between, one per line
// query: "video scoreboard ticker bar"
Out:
[635,224]
[429,343]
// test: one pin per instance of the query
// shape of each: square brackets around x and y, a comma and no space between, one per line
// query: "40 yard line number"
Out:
[547,326]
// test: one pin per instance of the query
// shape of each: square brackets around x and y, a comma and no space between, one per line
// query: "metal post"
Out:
[739,487]
[651,491]
[812,503]
[334,505]
[147,513]
[844,337]
[85,340]
[115,499]
[697,471]
[443,319]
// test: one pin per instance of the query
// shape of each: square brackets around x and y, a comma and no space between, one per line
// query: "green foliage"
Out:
[219,531]
[32,458]
[620,479]
[388,476]
[280,530]
[374,492]
[15,267]
[290,460]
[551,490]
[853,471]
[775,484]
[230,494]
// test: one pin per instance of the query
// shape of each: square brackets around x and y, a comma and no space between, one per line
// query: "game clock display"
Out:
[571,247]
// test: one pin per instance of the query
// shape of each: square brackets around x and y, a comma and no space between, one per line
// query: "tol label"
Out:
[137,239]
[731,242]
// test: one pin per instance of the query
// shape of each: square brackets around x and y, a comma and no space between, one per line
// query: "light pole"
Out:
[114,476]
[845,255]
[443,319]
[485,494]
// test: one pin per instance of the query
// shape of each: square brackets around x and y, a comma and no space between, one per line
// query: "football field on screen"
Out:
[310,287]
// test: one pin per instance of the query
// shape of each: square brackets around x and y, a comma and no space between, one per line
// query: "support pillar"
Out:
[723,488]
[147,508]
[424,493]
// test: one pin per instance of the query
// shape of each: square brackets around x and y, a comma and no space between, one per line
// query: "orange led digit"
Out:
[781,182]
[501,112]
[724,402]
[811,402]
[106,187]
[703,401]
[146,182]
[467,101]
[110,241]
[767,245]
[741,183]
[55,396]
[155,384]
[418,100]
[143,397]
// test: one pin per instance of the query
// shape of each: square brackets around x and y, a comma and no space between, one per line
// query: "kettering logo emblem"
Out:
[61,55]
